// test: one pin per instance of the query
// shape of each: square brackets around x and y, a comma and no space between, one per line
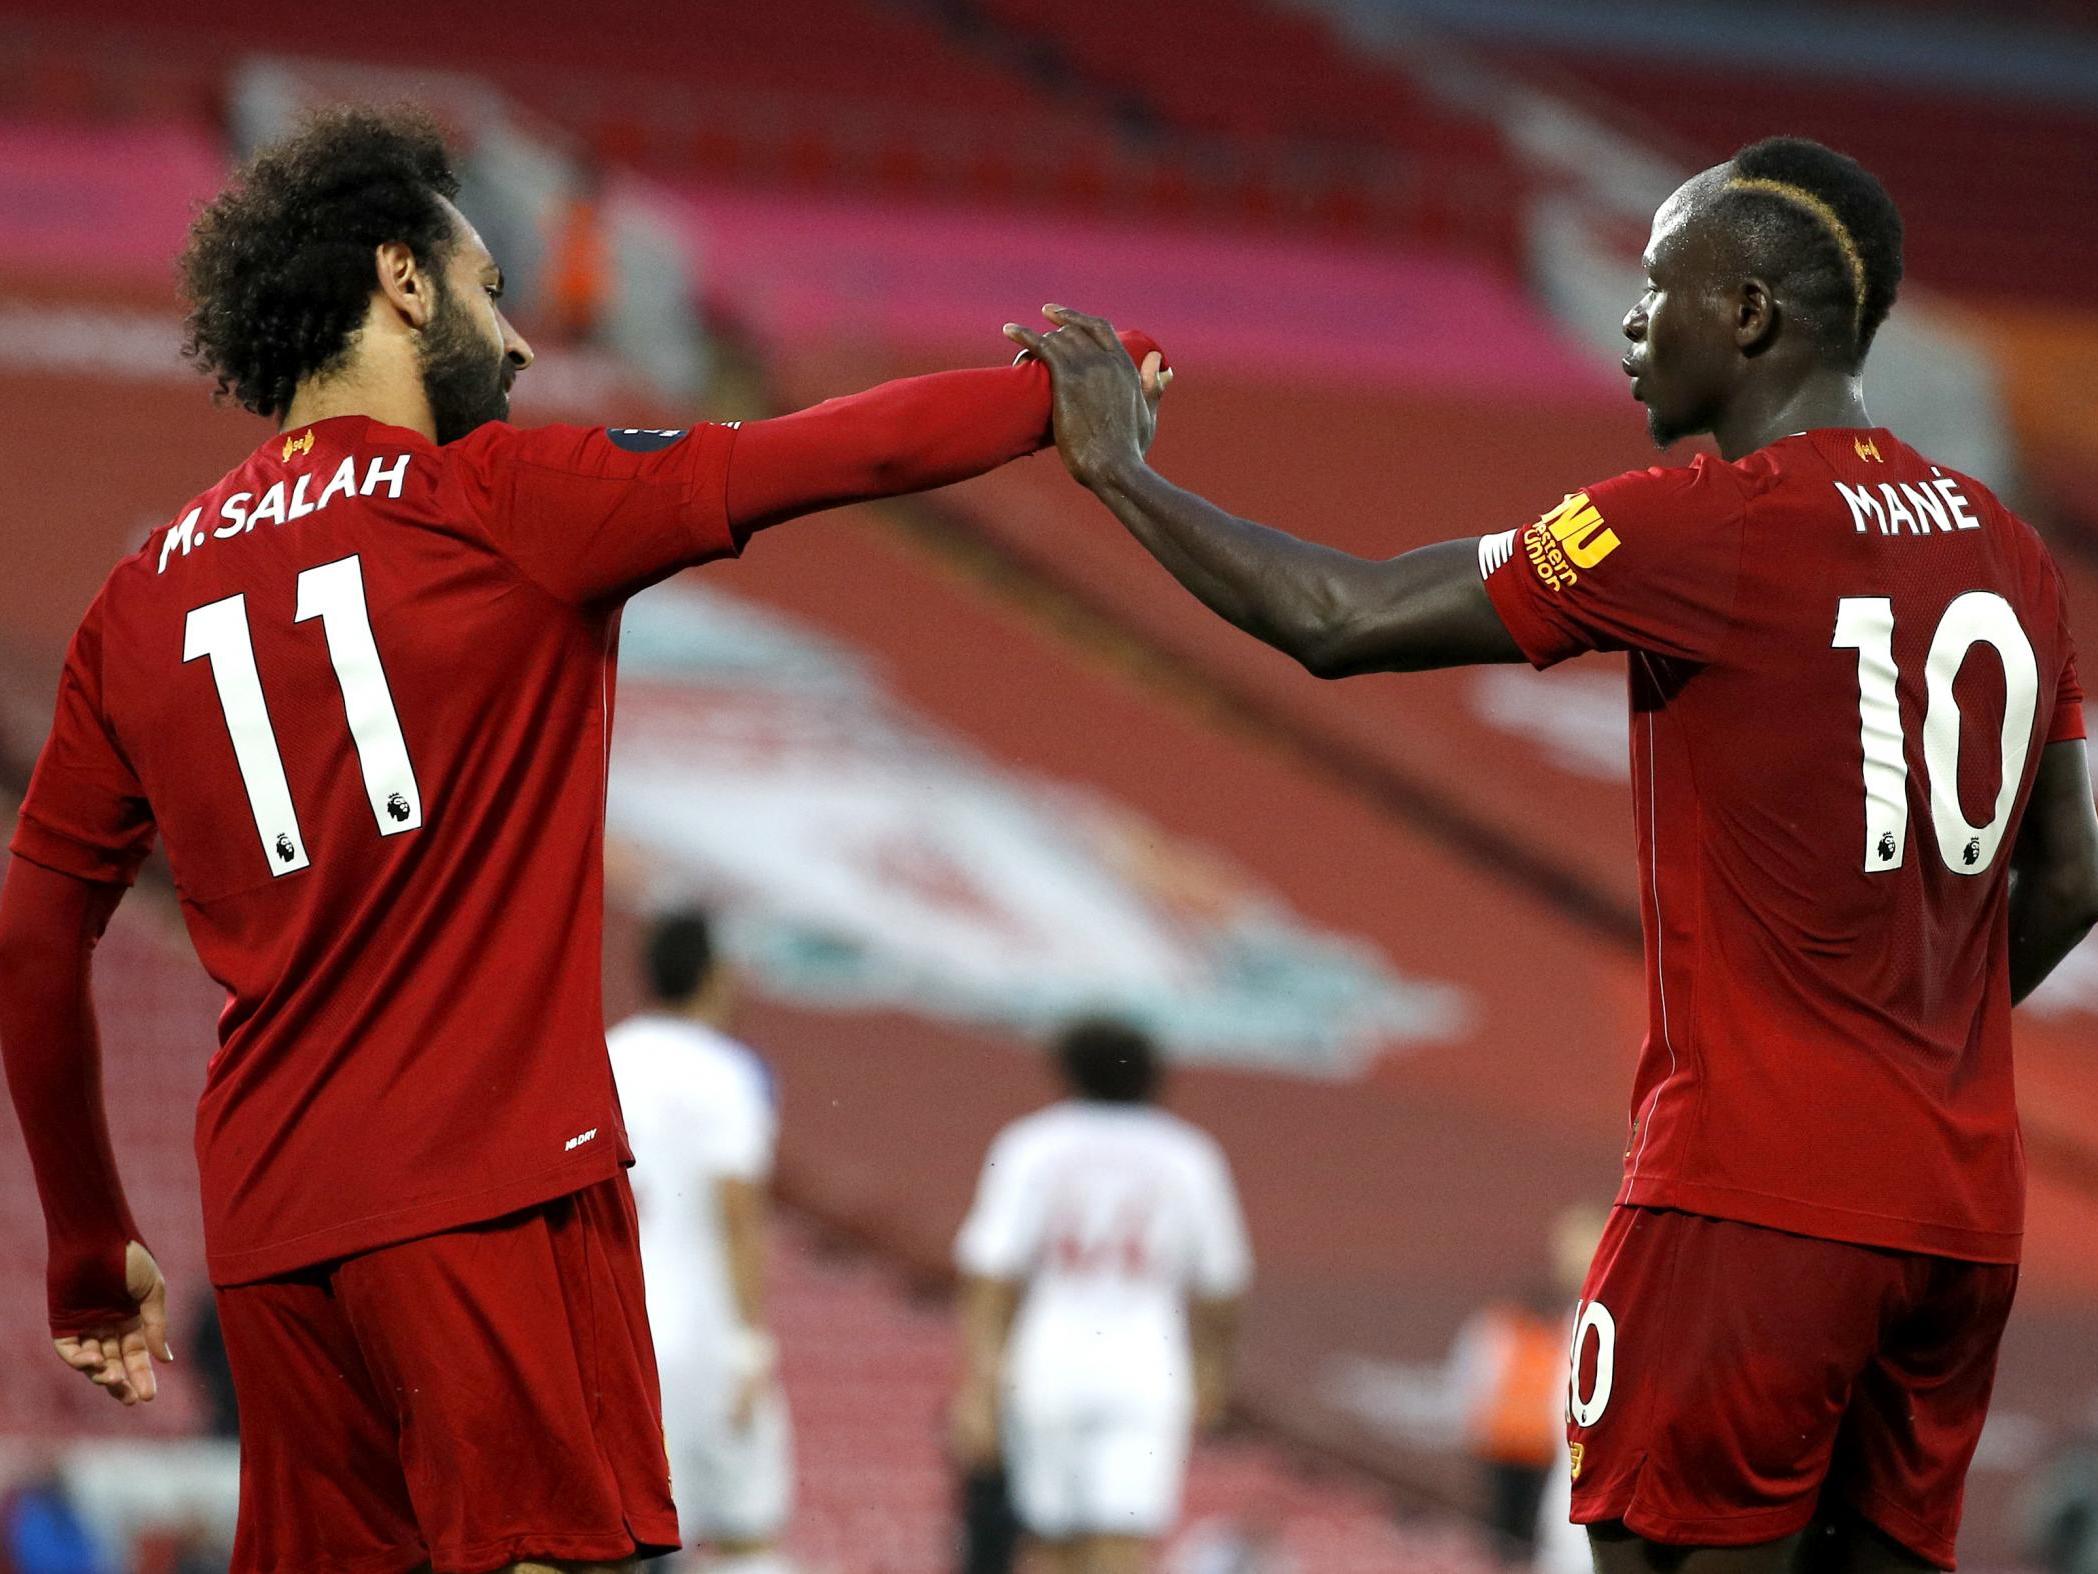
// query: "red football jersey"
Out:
[1845,661]
[363,686]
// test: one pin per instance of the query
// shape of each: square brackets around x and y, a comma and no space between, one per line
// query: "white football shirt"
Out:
[1113,1216]
[699,1109]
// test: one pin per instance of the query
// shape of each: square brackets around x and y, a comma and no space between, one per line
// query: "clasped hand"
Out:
[1106,406]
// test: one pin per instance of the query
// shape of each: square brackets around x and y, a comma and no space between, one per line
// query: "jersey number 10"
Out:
[334,593]
[1980,617]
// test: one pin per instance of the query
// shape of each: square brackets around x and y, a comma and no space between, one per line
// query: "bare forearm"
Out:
[987,1318]
[2049,919]
[743,1211]
[1334,613]
[1213,1332]
[1289,593]
[2054,868]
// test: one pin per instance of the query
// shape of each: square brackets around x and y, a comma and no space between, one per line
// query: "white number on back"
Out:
[1591,1317]
[219,632]
[334,593]
[1980,617]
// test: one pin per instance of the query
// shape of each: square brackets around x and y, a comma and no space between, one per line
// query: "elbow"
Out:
[36,959]
[891,476]
[2086,904]
[1325,645]
[2074,897]
[23,984]
[2079,893]
[1359,617]
[1321,661]
[20,961]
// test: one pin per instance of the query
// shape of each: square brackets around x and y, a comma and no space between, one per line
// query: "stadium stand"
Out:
[1469,831]
[1255,75]
[1999,197]
[967,103]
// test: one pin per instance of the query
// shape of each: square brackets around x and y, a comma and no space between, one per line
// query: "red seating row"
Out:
[1245,114]
[1999,198]
[2050,13]
[1254,74]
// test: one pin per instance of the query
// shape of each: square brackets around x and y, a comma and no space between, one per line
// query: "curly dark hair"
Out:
[278,271]
[1843,275]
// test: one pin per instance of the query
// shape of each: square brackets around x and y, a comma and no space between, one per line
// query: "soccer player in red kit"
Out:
[1865,830]
[363,689]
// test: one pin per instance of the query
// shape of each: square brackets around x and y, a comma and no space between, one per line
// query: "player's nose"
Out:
[1635,324]
[515,350]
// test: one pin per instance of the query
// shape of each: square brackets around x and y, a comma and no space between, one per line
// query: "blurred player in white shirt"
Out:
[699,1112]
[1102,1267]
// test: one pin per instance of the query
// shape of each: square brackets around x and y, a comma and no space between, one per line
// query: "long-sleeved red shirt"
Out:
[363,690]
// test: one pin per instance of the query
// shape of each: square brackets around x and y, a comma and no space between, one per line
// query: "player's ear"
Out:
[407,288]
[1755,316]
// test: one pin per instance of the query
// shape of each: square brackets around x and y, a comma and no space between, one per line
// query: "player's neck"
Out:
[1762,416]
[709,1008]
[392,397]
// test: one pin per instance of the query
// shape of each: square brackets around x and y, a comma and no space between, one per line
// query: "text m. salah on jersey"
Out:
[242,511]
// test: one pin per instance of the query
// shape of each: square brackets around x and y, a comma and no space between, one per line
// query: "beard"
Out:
[467,383]
[1665,433]
[1669,429]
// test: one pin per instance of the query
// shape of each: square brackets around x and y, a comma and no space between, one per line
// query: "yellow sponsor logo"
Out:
[1574,1452]
[1868,448]
[302,444]
[1568,539]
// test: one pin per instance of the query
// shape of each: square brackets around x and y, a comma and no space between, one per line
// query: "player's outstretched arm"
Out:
[2054,868]
[108,1304]
[904,436]
[1334,613]
[595,514]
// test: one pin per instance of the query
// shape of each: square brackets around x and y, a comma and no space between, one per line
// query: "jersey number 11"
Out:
[218,632]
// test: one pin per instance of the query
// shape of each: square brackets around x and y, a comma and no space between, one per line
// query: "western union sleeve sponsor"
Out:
[1570,538]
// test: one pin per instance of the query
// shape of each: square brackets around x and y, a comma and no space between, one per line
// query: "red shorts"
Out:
[1728,1379]
[467,1400]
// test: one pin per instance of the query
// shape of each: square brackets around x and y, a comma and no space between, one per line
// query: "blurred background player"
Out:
[1506,1370]
[988,1534]
[1508,1386]
[1558,1545]
[701,1119]
[1102,1262]
[1841,908]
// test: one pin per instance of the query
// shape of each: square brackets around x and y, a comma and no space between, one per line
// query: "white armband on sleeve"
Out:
[1494,551]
